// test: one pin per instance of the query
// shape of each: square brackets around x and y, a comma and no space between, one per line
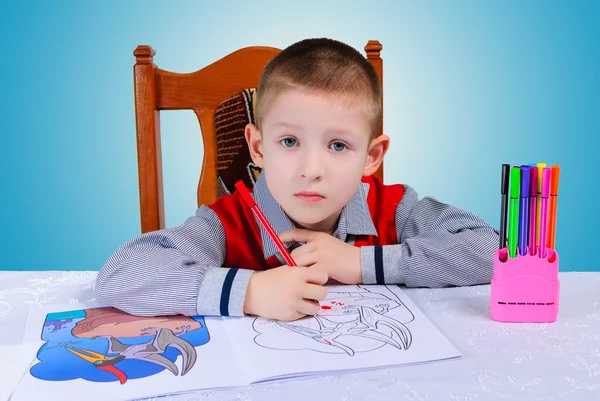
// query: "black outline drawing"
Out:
[359,321]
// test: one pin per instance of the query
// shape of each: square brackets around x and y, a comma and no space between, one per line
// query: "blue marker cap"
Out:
[525,170]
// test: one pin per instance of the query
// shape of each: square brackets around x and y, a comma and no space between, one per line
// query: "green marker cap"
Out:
[515,182]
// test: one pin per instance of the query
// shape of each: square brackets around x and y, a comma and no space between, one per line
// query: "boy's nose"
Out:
[311,167]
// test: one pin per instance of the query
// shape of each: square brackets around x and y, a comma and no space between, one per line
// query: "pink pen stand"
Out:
[525,288]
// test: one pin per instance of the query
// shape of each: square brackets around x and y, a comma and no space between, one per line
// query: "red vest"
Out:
[242,236]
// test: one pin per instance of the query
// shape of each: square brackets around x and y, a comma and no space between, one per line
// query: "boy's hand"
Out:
[323,252]
[285,293]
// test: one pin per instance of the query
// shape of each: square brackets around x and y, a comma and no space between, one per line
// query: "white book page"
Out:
[359,327]
[19,357]
[102,353]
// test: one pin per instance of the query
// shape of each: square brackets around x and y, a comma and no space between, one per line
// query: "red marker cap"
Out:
[554,175]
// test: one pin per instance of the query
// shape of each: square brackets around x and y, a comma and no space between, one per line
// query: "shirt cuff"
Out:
[223,291]
[381,264]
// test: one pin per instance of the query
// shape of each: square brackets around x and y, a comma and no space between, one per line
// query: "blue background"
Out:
[468,86]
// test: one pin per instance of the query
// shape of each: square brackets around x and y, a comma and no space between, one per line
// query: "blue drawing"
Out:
[106,345]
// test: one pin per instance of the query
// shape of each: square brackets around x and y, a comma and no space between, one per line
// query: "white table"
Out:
[557,361]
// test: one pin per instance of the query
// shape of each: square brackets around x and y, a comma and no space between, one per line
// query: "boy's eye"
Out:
[338,146]
[288,142]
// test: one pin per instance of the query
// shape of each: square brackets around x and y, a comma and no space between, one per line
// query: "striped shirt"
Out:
[180,270]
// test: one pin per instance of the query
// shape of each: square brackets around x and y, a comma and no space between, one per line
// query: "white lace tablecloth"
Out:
[556,361]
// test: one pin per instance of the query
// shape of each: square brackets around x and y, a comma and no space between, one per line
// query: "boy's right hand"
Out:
[285,293]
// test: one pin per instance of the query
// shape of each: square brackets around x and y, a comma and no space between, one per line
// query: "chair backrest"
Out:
[202,91]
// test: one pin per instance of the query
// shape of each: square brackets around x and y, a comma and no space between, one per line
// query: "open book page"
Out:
[359,327]
[103,353]
[17,359]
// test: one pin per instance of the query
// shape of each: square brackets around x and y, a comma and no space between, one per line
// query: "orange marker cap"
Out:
[554,176]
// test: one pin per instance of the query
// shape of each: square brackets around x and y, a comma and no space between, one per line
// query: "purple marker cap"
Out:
[545,182]
[533,179]
[525,187]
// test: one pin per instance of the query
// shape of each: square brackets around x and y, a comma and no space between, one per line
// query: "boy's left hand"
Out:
[321,251]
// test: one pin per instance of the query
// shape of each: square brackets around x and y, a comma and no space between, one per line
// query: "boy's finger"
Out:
[306,259]
[308,307]
[315,292]
[315,276]
[303,249]
[298,234]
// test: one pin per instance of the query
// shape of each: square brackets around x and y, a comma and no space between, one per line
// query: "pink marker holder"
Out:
[525,288]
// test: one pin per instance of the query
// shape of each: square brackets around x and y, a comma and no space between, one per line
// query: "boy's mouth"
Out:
[309,196]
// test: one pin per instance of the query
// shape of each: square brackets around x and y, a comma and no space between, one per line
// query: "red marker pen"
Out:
[263,220]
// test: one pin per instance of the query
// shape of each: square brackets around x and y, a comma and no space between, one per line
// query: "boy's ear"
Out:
[377,149]
[254,140]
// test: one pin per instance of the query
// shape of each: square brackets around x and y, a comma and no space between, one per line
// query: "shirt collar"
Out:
[355,218]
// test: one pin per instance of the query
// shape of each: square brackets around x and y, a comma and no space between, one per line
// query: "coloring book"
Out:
[103,353]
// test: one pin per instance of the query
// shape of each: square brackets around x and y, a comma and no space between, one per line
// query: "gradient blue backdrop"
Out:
[465,83]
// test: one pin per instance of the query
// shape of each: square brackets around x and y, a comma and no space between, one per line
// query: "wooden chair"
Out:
[201,91]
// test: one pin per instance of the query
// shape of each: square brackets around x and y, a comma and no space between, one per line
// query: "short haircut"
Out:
[322,66]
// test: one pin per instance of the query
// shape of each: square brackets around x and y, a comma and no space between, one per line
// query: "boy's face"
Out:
[314,150]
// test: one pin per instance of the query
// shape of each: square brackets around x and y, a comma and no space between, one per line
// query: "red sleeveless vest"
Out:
[242,235]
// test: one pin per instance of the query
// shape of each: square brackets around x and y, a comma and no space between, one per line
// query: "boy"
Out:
[318,111]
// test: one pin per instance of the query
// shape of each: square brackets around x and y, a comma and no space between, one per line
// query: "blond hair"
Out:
[322,66]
